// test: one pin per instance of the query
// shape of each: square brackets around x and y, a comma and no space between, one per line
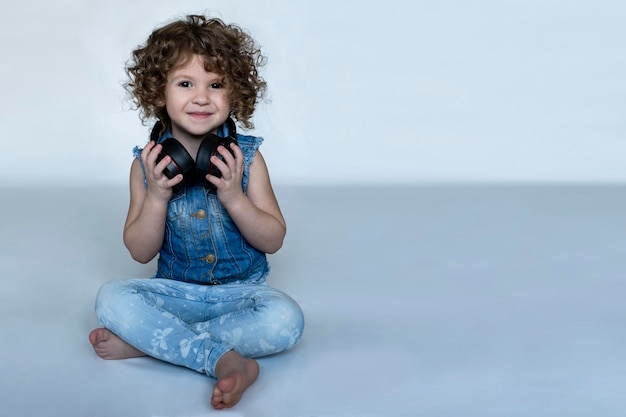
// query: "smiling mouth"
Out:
[200,114]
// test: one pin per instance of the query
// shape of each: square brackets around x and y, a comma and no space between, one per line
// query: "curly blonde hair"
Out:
[226,50]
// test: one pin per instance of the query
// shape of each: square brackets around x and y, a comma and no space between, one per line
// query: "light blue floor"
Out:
[464,301]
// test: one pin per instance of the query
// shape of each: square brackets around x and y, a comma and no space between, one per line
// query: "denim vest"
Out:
[202,244]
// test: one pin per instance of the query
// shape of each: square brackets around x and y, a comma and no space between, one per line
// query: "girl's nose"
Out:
[202,98]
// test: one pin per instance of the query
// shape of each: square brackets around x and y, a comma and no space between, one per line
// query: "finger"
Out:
[150,154]
[174,181]
[237,151]
[163,163]
[217,182]
[153,154]
[146,150]
[220,164]
[228,158]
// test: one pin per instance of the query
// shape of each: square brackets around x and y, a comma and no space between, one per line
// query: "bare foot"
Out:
[234,375]
[109,346]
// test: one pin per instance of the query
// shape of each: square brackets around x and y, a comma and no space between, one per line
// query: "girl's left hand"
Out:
[229,185]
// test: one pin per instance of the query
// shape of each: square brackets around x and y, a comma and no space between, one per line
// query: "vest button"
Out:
[210,258]
[200,215]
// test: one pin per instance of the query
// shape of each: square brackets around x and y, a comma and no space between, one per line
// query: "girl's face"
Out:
[195,100]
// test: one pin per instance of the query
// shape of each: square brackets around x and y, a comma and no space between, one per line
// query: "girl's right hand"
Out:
[159,185]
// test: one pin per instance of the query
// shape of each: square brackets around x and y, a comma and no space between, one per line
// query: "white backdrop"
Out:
[359,91]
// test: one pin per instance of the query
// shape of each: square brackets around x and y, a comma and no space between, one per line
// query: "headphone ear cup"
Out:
[207,149]
[181,163]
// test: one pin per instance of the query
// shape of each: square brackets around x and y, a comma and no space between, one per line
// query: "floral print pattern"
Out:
[193,325]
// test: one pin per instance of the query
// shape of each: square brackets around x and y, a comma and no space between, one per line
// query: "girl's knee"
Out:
[288,319]
[111,298]
[292,312]
[109,292]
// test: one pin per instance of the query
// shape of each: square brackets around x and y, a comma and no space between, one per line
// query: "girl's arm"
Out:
[256,214]
[145,223]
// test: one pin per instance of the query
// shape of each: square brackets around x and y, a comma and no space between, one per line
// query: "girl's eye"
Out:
[185,84]
[217,85]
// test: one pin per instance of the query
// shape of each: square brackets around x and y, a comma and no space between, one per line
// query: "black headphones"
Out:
[194,173]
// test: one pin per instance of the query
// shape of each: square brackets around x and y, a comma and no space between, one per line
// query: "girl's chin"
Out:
[192,133]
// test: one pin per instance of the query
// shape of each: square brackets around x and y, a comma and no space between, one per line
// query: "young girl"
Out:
[207,307]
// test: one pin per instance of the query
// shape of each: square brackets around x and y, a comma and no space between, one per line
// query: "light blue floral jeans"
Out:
[193,325]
